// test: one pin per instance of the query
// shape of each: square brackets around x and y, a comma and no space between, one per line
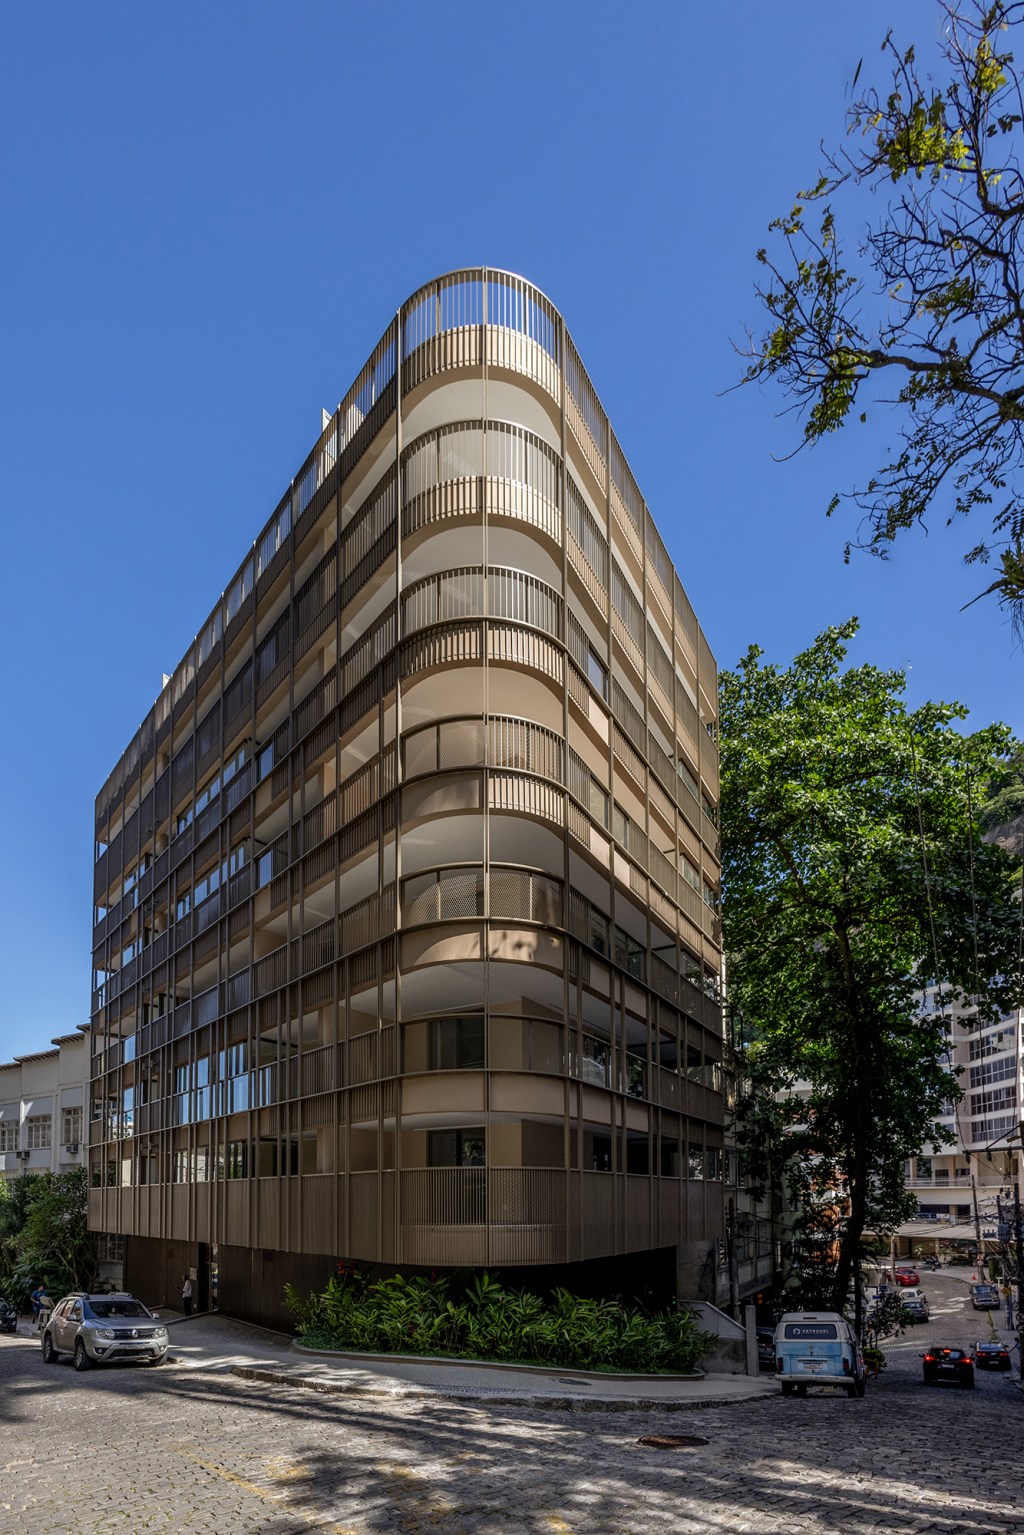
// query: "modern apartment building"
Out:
[958,1186]
[406,937]
[42,1108]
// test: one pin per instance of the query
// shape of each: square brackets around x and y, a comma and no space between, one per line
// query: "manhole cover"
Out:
[672,1441]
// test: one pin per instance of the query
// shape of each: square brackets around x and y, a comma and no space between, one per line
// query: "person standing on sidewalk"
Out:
[42,1305]
[186,1294]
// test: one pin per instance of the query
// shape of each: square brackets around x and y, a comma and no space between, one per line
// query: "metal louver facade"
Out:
[406,941]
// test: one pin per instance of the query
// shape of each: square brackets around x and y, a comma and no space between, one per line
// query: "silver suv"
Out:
[95,1328]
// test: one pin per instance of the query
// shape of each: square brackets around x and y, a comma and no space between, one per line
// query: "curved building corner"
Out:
[406,939]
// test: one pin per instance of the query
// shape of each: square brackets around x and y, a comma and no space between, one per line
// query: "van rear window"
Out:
[811,1330]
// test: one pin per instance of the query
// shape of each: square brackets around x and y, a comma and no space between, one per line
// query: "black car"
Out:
[8,1316]
[948,1364]
[766,1348]
[992,1356]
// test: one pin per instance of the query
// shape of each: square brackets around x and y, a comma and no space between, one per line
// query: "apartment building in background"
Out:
[43,1114]
[406,941]
[959,1186]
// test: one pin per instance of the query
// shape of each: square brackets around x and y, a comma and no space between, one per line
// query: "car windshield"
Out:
[104,1309]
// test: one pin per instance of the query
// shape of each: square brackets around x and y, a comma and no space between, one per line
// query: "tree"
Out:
[54,1242]
[931,296]
[14,1202]
[853,871]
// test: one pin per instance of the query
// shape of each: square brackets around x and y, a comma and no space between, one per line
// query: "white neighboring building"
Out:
[957,1186]
[44,1109]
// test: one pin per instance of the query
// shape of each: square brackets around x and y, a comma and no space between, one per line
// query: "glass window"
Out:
[594,1063]
[636,1074]
[457,1148]
[637,1152]
[668,1051]
[597,673]
[236,1160]
[39,1132]
[597,1151]
[457,1044]
[598,802]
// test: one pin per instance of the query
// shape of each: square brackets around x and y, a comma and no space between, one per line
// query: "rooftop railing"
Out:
[456,320]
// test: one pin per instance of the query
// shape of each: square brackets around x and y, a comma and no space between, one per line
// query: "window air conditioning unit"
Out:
[72,1148]
[22,1156]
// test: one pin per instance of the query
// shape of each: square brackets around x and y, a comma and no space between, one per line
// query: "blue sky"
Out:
[211,213]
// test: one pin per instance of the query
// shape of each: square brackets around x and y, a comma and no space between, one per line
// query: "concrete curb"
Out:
[485,1398]
[501,1366]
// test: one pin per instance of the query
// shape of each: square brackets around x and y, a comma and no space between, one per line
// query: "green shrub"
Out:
[420,1316]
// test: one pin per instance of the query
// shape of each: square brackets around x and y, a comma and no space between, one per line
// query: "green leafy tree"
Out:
[54,1242]
[853,870]
[923,298]
[14,1203]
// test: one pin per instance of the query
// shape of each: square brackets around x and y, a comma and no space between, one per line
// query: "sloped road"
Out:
[169,1450]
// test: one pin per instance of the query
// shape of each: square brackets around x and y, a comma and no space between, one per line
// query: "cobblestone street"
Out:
[167,1450]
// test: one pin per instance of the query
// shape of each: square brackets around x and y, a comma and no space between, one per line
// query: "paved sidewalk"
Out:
[214,1342]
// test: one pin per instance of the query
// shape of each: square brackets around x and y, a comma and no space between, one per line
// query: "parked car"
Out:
[902,1276]
[95,1329]
[948,1364]
[766,1348]
[992,1356]
[817,1348]
[985,1297]
[8,1316]
[915,1306]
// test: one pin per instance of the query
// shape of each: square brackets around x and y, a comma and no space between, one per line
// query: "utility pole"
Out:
[977,1226]
[1005,1242]
[733,1259]
[1018,1241]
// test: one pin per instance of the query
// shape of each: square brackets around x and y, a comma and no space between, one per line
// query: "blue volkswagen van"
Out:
[817,1348]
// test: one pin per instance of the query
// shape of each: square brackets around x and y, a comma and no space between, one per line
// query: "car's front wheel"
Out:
[159,1359]
[49,1352]
[861,1387]
[82,1360]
